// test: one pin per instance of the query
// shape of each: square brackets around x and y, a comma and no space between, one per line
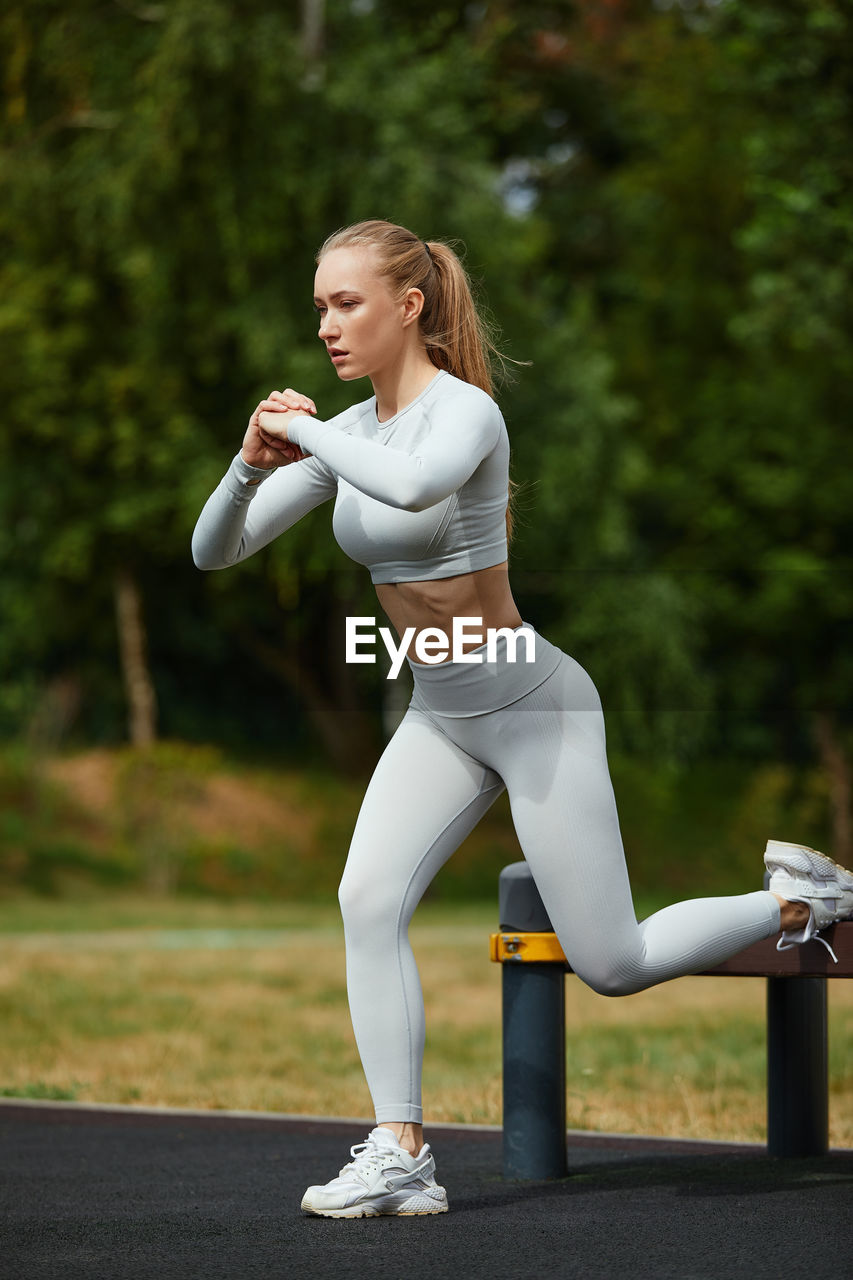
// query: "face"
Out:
[364,330]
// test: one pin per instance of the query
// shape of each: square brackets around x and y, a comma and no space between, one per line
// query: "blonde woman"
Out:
[419,478]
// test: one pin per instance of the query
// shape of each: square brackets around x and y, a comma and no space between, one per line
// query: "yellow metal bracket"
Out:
[539,948]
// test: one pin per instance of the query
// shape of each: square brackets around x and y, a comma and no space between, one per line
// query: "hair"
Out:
[458,337]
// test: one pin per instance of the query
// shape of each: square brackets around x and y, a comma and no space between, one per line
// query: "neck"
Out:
[402,383]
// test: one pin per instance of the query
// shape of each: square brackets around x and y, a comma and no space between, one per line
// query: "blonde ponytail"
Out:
[457,336]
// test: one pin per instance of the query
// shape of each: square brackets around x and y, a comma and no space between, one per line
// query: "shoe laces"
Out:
[823,942]
[794,937]
[366,1157]
[809,934]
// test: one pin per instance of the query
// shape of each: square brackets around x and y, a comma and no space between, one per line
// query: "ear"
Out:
[413,305]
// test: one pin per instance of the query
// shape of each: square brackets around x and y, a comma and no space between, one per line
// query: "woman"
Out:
[419,477]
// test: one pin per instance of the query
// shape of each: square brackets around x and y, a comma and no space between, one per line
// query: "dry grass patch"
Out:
[120,1018]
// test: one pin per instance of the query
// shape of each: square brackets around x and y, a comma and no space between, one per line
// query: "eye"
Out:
[320,310]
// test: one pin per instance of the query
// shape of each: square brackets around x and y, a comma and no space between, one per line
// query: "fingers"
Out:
[290,399]
[268,424]
[273,406]
[285,450]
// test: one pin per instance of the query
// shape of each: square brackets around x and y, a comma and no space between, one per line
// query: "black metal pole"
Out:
[534,1070]
[797,1088]
[534,1041]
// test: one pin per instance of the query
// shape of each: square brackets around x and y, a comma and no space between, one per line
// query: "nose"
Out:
[327,328]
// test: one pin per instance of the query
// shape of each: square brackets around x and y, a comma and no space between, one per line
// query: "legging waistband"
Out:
[489,677]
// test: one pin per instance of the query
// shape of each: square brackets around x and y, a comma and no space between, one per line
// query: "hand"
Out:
[273,429]
[267,445]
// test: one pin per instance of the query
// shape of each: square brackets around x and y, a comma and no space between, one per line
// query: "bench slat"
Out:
[810,960]
[761,960]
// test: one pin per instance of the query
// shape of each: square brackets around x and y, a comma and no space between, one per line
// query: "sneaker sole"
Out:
[373,1213]
[370,1211]
[809,860]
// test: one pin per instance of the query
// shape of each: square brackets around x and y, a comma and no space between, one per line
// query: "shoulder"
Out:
[448,387]
[452,392]
[452,395]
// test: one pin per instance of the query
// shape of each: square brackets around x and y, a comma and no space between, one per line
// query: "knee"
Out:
[364,905]
[353,898]
[610,980]
[610,984]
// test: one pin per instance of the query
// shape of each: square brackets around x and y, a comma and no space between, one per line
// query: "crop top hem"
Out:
[444,566]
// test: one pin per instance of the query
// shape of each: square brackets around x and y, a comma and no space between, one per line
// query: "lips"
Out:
[335,353]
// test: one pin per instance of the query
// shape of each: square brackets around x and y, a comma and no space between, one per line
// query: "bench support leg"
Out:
[797,1084]
[534,1071]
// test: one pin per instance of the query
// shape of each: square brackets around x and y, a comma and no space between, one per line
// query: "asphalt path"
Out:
[112,1193]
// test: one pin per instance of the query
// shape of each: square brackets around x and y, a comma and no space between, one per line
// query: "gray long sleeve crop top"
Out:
[418,497]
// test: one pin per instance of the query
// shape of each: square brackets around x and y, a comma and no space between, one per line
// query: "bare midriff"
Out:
[484,595]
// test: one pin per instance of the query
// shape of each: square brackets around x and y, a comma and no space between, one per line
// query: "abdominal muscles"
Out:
[484,595]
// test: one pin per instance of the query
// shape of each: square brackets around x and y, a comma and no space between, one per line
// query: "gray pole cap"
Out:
[519,904]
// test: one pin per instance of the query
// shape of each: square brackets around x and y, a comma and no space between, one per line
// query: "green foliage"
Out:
[706,210]
[153,787]
[156,825]
[45,839]
[657,199]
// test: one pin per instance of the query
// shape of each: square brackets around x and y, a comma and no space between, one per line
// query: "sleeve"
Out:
[240,517]
[459,438]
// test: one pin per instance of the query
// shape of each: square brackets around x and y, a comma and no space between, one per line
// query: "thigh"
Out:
[425,796]
[550,750]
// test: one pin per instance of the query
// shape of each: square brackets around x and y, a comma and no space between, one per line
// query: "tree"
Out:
[708,212]
[656,200]
[170,171]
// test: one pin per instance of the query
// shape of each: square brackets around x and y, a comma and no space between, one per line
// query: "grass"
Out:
[204,1004]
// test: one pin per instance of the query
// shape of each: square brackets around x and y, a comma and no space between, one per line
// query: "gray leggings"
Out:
[469,732]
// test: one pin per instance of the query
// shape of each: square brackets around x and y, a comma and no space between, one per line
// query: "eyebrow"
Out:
[340,293]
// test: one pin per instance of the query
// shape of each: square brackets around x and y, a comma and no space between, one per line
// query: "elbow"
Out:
[204,559]
[416,497]
[414,490]
[205,563]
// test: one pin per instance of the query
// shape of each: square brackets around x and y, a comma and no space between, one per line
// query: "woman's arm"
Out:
[251,507]
[460,436]
[229,529]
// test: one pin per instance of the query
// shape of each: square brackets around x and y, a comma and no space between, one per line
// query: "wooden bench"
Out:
[534,1032]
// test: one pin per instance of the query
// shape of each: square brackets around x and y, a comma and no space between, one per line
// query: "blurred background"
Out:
[654,199]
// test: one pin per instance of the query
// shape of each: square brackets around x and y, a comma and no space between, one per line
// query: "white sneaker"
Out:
[804,875]
[382,1178]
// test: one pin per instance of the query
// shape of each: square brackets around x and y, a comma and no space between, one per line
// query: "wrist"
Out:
[261,472]
[255,466]
[247,474]
[303,430]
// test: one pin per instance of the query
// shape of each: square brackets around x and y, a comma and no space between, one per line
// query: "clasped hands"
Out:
[266,442]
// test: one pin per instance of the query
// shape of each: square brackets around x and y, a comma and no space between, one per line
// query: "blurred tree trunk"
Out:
[313,28]
[133,648]
[837,767]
